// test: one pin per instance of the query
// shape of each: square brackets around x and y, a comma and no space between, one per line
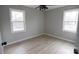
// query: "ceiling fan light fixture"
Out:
[42,7]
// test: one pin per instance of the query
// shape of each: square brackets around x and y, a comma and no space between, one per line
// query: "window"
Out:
[17,20]
[70,21]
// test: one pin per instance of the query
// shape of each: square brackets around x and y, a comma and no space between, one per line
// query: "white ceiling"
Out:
[50,7]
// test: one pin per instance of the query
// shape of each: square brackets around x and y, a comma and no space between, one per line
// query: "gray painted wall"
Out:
[0,25]
[1,48]
[34,24]
[0,43]
[54,23]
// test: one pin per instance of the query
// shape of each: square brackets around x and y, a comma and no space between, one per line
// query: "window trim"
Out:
[64,21]
[10,9]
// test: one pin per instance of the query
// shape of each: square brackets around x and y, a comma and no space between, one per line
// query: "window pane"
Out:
[70,20]
[16,15]
[71,15]
[17,20]
[70,26]
[18,26]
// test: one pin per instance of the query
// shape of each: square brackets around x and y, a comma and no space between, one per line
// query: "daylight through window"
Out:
[17,20]
[70,20]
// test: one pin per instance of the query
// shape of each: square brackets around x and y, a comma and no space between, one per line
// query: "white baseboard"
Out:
[24,39]
[39,35]
[60,37]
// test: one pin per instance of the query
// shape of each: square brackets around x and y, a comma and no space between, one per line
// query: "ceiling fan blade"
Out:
[36,7]
[42,7]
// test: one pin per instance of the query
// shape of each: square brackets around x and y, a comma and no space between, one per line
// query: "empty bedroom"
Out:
[39,29]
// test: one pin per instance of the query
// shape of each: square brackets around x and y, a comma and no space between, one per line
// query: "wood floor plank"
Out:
[40,45]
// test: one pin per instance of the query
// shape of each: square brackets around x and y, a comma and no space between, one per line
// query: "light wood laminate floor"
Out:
[40,45]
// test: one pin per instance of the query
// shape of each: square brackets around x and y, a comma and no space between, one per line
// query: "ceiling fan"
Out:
[42,7]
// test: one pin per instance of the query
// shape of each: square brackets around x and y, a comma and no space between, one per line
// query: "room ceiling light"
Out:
[42,7]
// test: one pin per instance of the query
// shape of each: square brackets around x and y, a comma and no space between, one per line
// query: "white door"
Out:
[1,48]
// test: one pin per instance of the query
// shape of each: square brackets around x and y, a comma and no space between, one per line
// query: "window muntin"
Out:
[17,20]
[70,21]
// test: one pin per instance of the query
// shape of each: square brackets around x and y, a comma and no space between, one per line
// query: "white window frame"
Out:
[75,21]
[10,10]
